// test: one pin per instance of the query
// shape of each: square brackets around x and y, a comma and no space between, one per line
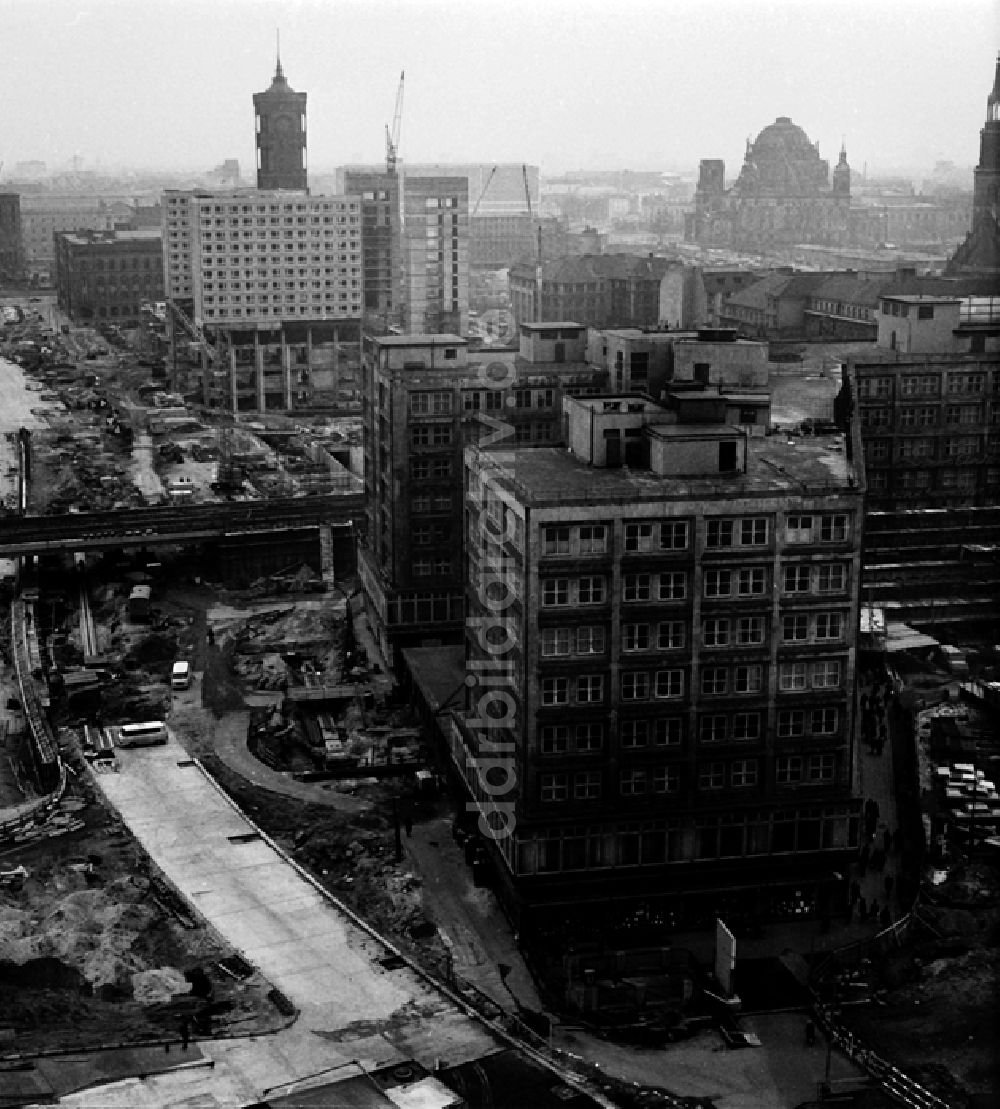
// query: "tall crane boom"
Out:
[392,137]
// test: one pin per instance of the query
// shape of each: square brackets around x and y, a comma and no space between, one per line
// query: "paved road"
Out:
[351,1007]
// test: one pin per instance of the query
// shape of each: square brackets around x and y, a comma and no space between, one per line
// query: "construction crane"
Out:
[485,189]
[392,137]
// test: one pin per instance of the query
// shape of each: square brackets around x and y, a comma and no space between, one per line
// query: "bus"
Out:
[148,734]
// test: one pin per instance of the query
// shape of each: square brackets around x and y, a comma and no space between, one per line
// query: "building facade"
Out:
[661,650]
[280,126]
[382,246]
[425,397]
[270,284]
[436,255]
[11,251]
[106,277]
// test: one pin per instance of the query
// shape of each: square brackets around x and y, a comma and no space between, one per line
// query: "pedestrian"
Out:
[889,883]
[810,1033]
[185,1034]
[862,909]
[887,841]
[408,823]
[864,703]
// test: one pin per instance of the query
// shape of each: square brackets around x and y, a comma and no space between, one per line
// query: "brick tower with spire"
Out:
[280,115]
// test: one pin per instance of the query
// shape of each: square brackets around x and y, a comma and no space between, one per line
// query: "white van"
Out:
[180,676]
[148,734]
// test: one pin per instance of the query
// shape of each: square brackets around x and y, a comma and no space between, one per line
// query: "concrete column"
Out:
[258,357]
[336,360]
[206,372]
[232,380]
[286,371]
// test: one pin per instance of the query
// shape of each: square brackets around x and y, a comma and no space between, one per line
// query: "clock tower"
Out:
[280,115]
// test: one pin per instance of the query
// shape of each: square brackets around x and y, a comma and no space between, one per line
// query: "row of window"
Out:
[672,585]
[714,681]
[588,785]
[965,446]
[284,311]
[927,416]
[675,535]
[954,383]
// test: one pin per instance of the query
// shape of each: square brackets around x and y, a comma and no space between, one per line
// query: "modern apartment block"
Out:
[436,255]
[381,246]
[105,277]
[273,281]
[425,397]
[661,650]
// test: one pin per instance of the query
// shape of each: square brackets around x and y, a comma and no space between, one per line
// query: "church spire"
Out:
[278,72]
[993,100]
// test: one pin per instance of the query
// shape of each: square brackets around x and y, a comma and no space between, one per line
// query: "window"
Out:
[718,583]
[635,637]
[589,737]
[674,535]
[668,731]
[635,733]
[795,628]
[712,775]
[589,689]
[436,404]
[829,625]
[833,529]
[788,769]
[555,541]
[638,537]
[590,591]
[753,533]
[715,633]
[555,591]
[593,539]
[746,726]
[713,728]
[798,529]
[554,787]
[555,691]
[791,723]
[825,674]
[792,676]
[670,683]
[750,631]
[590,639]
[796,579]
[821,768]
[587,785]
[636,587]
[635,685]
[670,635]
[556,642]
[752,582]
[673,586]
[749,678]
[832,579]
[633,782]
[719,533]
[554,739]
[714,680]
[744,772]
[823,722]
[666,779]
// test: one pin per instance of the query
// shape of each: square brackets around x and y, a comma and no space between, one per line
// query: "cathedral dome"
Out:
[783,162]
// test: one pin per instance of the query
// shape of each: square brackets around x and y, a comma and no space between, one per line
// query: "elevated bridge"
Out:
[173,524]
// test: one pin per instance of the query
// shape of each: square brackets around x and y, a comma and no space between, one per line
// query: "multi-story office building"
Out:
[381,246]
[425,397]
[107,276]
[11,253]
[436,255]
[280,125]
[661,648]
[274,281]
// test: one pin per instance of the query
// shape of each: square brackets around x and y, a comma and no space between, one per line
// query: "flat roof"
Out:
[420,340]
[776,464]
[921,298]
[543,325]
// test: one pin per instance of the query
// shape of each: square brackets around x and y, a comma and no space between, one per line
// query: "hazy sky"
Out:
[561,83]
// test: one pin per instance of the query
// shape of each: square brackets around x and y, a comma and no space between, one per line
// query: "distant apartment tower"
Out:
[280,116]
[269,286]
[424,398]
[436,255]
[11,252]
[382,246]
[662,619]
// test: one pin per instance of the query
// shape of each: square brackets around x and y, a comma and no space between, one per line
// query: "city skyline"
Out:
[643,85]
